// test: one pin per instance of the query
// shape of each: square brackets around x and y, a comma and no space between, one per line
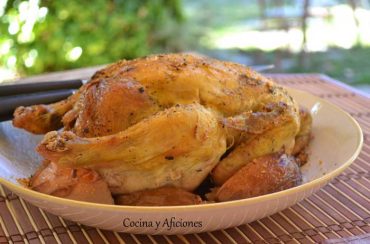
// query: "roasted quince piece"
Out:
[263,175]
[77,184]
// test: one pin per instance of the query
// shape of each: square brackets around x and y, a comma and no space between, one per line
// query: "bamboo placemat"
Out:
[339,210]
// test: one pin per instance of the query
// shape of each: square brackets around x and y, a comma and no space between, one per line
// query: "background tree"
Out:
[40,36]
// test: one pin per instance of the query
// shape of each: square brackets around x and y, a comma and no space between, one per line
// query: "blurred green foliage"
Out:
[51,35]
[347,65]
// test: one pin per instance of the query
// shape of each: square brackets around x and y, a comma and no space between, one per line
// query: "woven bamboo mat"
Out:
[339,210]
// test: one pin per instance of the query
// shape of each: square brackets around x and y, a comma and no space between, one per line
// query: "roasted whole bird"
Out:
[155,128]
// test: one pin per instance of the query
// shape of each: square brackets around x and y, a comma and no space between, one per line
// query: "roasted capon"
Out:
[149,131]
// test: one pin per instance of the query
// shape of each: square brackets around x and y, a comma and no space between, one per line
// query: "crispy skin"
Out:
[164,196]
[228,88]
[77,184]
[178,146]
[267,174]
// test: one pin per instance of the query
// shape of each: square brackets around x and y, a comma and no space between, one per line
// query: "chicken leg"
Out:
[178,146]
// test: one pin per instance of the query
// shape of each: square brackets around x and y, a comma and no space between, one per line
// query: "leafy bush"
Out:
[56,35]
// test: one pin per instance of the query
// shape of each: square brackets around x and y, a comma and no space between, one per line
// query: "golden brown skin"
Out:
[263,175]
[77,184]
[112,105]
[124,123]
[164,196]
[178,147]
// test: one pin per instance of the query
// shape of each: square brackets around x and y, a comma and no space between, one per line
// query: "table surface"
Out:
[339,210]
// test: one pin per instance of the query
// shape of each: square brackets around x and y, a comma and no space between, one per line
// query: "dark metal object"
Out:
[9,103]
[25,88]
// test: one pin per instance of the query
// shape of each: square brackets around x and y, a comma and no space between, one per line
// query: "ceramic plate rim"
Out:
[323,179]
